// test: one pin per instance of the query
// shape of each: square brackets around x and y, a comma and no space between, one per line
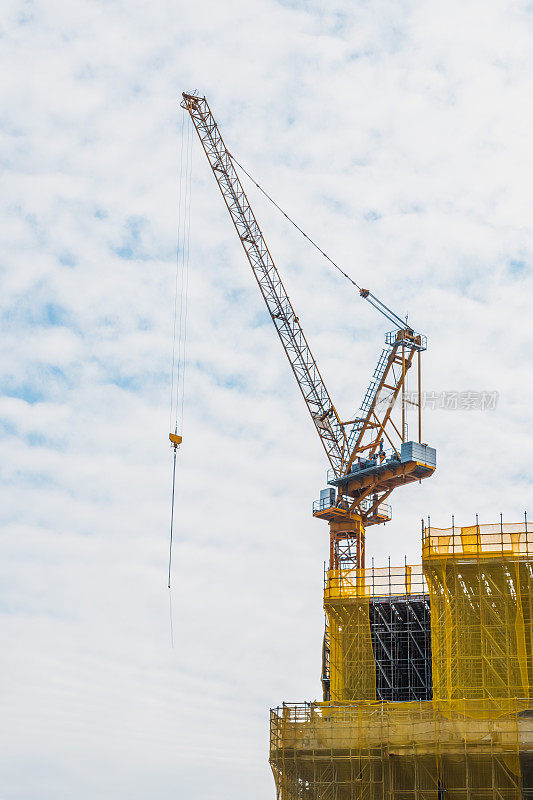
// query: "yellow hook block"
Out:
[175,440]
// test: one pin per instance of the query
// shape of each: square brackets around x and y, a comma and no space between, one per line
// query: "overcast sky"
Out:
[398,134]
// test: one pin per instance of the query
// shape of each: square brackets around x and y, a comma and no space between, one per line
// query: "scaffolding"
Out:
[401,640]
[378,635]
[426,750]
[480,581]
[469,733]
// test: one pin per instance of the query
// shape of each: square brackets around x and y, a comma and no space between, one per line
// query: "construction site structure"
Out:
[370,454]
[429,674]
[426,669]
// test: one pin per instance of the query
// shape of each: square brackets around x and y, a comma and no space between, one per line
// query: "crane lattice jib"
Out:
[292,337]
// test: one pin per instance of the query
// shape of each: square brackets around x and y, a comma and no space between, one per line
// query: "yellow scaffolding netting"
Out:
[350,648]
[424,750]
[474,739]
[347,596]
[480,586]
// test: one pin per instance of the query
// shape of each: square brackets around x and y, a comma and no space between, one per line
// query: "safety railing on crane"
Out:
[383,510]
[407,338]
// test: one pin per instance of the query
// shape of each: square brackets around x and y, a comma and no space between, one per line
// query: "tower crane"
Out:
[369,455]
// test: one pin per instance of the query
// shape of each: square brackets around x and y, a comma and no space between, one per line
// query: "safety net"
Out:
[368,641]
[474,739]
[424,750]
[480,586]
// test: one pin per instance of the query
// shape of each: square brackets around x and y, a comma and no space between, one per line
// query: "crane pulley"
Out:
[363,471]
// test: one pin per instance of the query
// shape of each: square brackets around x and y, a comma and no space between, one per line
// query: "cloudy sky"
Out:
[398,134]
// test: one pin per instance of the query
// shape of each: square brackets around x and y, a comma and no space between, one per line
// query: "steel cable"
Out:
[315,245]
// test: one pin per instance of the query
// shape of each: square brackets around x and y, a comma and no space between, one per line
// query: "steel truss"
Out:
[401,638]
[316,396]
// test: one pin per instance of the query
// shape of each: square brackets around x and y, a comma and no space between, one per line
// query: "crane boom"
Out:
[301,359]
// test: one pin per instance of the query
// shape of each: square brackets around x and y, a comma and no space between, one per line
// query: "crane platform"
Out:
[414,462]
[380,474]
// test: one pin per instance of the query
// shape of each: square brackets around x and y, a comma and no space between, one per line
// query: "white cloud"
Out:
[398,135]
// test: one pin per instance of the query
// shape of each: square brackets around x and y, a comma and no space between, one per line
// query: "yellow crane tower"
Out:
[369,454]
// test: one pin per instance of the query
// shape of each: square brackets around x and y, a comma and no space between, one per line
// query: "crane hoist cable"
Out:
[365,293]
[179,343]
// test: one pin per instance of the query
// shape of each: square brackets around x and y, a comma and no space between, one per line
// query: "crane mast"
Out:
[363,472]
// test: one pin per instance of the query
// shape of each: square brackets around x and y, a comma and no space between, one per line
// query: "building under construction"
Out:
[426,669]
[427,674]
